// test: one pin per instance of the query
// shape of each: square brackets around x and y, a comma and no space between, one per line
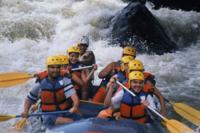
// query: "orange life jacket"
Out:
[41,75]
[100,95]
[131,107]
[53,98]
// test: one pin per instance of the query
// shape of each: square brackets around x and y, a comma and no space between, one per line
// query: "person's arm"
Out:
[161,100]
[106,71]
[158,94]
[77,80]
[76,102]
[150,102]
[84,88]
[91,73]
[71,93]
[109,91]
[115,101]
[107,101]
[27,106]
[32,98]
[86,76]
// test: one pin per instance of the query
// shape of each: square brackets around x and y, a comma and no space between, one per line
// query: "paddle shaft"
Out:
[85,67]
[32,76]
[21,78]
[56,112]
[46,113]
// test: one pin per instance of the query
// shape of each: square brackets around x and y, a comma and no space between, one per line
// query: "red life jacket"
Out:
[53,97]
[148,87]
[131,107]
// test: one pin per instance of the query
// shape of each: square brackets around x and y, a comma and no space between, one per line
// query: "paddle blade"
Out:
[6,117]
[175,126]
[13,78]
[187,112]
[19,125]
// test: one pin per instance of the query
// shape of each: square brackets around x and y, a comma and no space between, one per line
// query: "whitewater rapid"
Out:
[31,30]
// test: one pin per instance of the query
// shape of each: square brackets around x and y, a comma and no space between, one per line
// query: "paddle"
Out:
[8,117]
[172,125]
[186,112]
[15,78]
[20,124]
[80,68]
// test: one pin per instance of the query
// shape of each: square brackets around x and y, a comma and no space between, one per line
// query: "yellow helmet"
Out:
[136,75]
[53,60]
[135,65]
[73,49]
[129,51]
[126,59]
[64,59]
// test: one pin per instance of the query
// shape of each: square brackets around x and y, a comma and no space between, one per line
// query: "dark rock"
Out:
[136,24]
[186,5]
[141,1]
